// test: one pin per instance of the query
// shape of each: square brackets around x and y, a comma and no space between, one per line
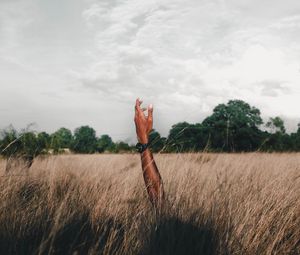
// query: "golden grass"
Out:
[97,204]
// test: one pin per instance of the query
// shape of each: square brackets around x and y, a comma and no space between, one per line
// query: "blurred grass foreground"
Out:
[97,204]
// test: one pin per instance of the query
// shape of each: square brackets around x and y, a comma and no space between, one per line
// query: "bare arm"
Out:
[151,174]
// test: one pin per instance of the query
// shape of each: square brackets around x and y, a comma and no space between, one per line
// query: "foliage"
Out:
[232,127]
[25,144]
[276,125]
[105,143]
[85,140]
[44,141]
[61,139]
[122,147]
[10,144]
[185,137]
[156,142]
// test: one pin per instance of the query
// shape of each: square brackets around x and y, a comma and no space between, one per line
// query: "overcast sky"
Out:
[83,62]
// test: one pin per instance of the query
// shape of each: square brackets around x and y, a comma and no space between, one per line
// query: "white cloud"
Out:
[205,49]
[183,56]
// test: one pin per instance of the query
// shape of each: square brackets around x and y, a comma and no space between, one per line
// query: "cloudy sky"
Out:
[76,62]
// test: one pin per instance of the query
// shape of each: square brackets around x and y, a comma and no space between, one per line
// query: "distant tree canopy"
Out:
[157,142]
[122,147]
[295,138]
[276,125]
[232,127]
[60,139]
[186,137]
[22,146]
[85,140]
[105,143]
[277,139]
[44,141]
[9,143]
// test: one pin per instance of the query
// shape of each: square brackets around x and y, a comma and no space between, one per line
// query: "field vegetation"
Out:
[232,127]
[97,204]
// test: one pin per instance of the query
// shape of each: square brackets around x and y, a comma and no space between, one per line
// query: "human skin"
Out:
[152,178]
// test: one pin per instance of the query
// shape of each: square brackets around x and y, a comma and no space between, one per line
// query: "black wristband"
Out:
[140,147]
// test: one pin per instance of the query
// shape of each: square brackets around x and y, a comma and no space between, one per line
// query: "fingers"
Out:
[138,103]
[137,106]
[138,110]
[150,111]
[150,117]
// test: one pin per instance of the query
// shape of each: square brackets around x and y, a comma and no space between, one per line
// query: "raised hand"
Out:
[143,124]
[152,178]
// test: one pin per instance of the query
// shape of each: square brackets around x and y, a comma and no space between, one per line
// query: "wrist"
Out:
[143,139]
[141,147]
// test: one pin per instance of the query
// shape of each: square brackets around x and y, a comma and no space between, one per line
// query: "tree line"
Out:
[232,127]
[84,140]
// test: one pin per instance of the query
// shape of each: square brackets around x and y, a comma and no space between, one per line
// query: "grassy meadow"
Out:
[97,204]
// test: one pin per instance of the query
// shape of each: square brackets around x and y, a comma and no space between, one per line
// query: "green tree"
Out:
[295,139]
[16,144]
[277,140]
[185,137]
[105,143]
[61,139]
[234,126]
[123,147]
[30,146]
[10,143]
[275,125]
[24,146]
[85,140]
[43,141]
[157,142]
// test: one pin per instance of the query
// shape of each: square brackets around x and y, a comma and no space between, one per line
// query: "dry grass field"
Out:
[97,204]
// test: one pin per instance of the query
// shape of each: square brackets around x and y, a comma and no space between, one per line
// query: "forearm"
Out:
[152,178]
[151,175]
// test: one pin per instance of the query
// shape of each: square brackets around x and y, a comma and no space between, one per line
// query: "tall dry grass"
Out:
[216,204]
